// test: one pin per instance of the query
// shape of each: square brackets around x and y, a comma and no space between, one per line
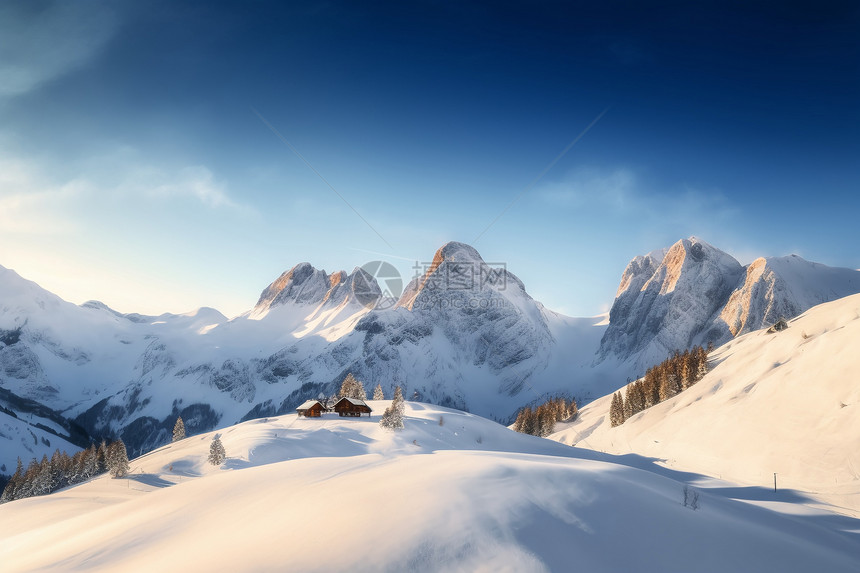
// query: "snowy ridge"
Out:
[784,287]
[784,402]
[451,492]
[694,293]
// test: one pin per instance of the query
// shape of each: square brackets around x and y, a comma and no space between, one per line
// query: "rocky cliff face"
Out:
[696,294]
[674,306]
[784,287]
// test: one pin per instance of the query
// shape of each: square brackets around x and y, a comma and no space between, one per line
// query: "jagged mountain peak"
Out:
[305,285]
[302,284]
[694,293]
[459,252]
[662,306]
[777,287]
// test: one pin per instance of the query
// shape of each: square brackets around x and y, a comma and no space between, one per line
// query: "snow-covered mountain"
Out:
[694,293]
[463,334]
[668,302]
[784,287]
[781,402]
[450,492]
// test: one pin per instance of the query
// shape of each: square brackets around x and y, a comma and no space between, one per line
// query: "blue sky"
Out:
[134,170]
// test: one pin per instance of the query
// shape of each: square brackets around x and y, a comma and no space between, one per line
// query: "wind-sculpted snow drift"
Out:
[464,334]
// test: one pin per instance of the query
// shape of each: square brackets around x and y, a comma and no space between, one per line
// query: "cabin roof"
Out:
[354,402]
[309,404]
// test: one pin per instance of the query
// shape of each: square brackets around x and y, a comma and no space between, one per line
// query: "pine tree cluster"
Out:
[661,382]
[541,421]
[392,418]
[61,470]
[352,388]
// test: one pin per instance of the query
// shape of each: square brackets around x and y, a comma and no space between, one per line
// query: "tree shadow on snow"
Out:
[151,480]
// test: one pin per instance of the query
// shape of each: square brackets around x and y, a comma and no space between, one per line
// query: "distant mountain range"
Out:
[463,335]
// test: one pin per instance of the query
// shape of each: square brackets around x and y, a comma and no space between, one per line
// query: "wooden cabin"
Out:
[311,409]
[352,407]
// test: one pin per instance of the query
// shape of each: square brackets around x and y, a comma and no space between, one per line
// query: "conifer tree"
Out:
[217,453]
[96,461]
[348,387]
[359,391]
[392,418]
[117,459]
[530,421]
[41,484]
[398,402]
[628,404]
[100,459]
[179,429]
[546,419]
[378,394]
[14,483]
[60,470]
[616,410]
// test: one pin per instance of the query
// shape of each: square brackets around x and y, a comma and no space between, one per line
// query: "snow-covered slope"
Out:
[694,293]
[451,492]
[784,403]
[29,439]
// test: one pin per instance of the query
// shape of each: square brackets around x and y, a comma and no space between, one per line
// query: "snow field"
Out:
[467,495]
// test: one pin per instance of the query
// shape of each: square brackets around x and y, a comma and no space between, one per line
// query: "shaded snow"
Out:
[464,495]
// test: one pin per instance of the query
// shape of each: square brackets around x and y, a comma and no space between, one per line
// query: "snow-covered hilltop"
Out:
[450,492]
[464,334]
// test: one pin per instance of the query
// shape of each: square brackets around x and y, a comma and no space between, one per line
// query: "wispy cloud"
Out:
[613,189]
[198,182]
[621,192]
[30,204]
[40,41]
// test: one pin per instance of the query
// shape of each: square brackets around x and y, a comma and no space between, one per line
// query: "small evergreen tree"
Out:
[377,393]
[117,459]
[10,490]
[359,391]
[348,388]
[179,429]
[41,484]
[616,410]
[100,460]
[217,453]
[96,462]
[398,402]
[392,418]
